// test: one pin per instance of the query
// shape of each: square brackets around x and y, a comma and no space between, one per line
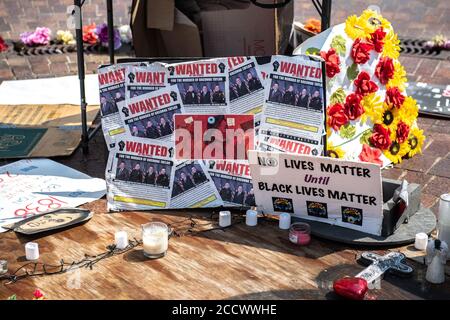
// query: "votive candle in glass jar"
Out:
[300,233]
[155,239]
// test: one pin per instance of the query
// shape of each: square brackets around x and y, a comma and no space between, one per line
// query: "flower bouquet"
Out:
[369,116]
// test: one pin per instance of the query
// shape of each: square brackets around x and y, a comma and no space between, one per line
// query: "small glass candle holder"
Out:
[300,233]
[3,266]
[155,239]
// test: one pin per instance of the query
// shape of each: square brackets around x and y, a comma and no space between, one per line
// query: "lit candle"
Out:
[285,221]
[224,218]
[3,266]
[155,239]
[421,241]
[251,218]
[121,239]
[444,218]
[32,251]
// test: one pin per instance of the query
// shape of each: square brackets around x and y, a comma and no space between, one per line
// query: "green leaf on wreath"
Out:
[352,72]
[347,131]
[13,297]
[338,44]
[338,96]
[313,51]
[364,139]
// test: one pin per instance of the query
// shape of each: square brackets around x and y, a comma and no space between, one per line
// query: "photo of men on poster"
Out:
[188,177]
[110,99]
[243,83]
[233,191]
[305,96]
[146,172]
[155,126]
[202,93]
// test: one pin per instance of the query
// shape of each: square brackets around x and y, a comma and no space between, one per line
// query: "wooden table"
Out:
[239,262]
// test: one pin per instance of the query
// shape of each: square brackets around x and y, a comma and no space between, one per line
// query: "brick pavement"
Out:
[415,19]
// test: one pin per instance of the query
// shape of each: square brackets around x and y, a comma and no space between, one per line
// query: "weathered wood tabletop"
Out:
[239,262]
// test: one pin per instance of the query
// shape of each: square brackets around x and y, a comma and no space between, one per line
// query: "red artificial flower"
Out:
[369,154]
[364,85]
[377,39]
[336,116]
[332,62]
[353,107]
[89,34]
[402,132]
[380,137]
[38,294]
[394,97]
[385,70]
[3,45]
[360,52]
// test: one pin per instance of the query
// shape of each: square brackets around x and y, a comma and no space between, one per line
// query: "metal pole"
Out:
[109,8]
[81,73]
[326,14]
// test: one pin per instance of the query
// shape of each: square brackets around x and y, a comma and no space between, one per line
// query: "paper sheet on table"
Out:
[28,187]
[60,90]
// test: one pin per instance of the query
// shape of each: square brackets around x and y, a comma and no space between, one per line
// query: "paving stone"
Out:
[437,186]
[442,168]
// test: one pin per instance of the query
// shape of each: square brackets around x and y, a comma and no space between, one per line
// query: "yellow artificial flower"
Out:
[65,37]
[334,152]
[397,151]
[391,46]
[328,131]
[409,111]
[399,78]
[374,20]
[387,116]
[373,106]
[354,28]
[415,141]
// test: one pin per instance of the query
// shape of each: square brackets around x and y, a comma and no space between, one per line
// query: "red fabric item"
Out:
[336,116]
[351,288]
[402,132]
[385,70]
[377,38]
[394,97]
[369,154]
[353,107]
[332,62]
[364,85]
[360,51]
[380,137]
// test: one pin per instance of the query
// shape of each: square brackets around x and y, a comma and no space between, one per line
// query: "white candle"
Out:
[155,238]
[224,218]
[251,218]
[285,221]
[421,241]
[121,239]
[3,266]
[32,251]
[444,219]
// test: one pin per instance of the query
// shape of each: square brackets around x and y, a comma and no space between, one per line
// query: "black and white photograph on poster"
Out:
[306,96]
[141,174]
[151,115]
[246,87]
[293,103]
[334,191]
[203,85]
[145,170]
[193,186]
[233,182]
[110,98]
[188,177]
[277,141]
[143,79]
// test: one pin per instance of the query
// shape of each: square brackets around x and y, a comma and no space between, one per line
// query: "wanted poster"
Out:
[233,182]
[144,79]
[111,82]
[193,187]
[294,106]
[151,114]
[141,175]
[334,191]
[246,87]
[203,85]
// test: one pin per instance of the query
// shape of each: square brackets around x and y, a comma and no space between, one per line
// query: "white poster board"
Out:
[343,193]
[33,186]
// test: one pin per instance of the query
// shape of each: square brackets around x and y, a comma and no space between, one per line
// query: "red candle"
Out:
[300,233]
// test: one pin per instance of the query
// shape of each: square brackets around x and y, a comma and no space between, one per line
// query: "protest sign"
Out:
[344,193]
